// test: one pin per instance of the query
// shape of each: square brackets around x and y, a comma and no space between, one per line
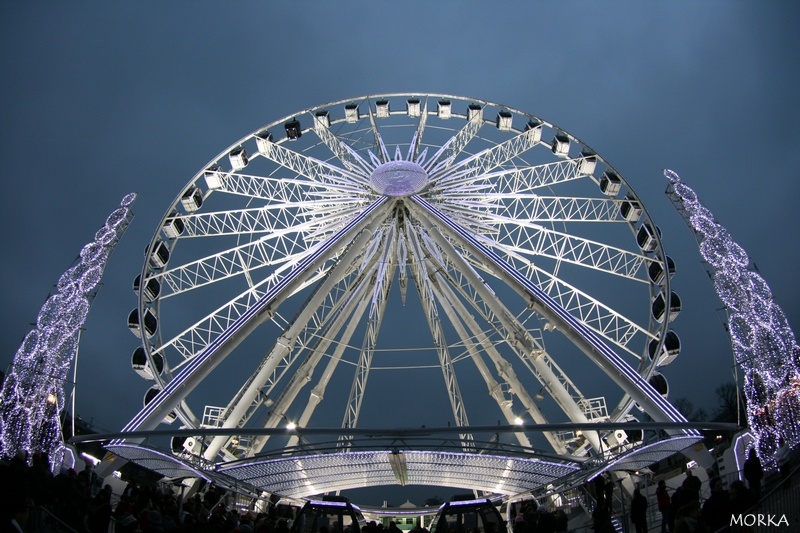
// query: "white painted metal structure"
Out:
[278,272]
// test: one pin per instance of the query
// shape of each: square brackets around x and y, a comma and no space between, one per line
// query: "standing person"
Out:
[663,499]
[609,490]
[639,511]
[692,485]
[601,520]
[754,473]
[741,497]
[599,484]
[716,510]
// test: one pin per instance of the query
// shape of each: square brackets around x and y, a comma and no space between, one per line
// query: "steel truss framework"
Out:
[280,267]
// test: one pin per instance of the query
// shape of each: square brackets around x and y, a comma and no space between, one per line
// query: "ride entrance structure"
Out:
[403,261]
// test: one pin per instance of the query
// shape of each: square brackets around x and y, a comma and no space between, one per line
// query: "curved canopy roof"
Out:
[302,476]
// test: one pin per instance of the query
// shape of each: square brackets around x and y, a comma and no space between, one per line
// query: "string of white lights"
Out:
[32,396]
[764,345]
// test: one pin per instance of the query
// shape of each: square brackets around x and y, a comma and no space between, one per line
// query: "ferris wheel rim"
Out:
[147,269]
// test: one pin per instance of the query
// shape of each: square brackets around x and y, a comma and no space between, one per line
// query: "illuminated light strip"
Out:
[154,411]
[664,407]
[764,345]
[288,474]
[32,397]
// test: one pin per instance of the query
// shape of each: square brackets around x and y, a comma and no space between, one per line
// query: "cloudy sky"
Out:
[98,100]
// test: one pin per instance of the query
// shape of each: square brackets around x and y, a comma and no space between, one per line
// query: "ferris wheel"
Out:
[350,246]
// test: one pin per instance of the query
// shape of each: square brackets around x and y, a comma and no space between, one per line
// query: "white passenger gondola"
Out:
[610,183]
[151,289]
[264,142]
[669,350]
[148,397]
[444,109]
[192,199]
[534,130]
[630,209]
[293,129]
[149,324]
[646,237]
[214,177]
[382,108]
[413,107]
[660,306]
[173,227]
[238,158]
[159,256]
[504,120]
[659,383]
[474,112]
[560,146]
[351,113]
[322,119]
[657,273]
[142,365]
[586,163]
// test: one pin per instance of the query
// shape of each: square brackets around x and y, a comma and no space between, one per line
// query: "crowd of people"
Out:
[79,500]
[684,511]
[536,519]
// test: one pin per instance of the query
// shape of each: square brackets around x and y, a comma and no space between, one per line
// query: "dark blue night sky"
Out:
[101,99]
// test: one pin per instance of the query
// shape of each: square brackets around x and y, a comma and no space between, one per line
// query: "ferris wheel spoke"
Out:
[351,159]
[382,155]
[276,248]
[537,356]
[279,190]
[603,320]
[577,331]
[533,240]
[345,316]
[485,160]
[262,220]
[427,296]
[613,326]
[466,281]
[346,322]
[195,338]
[462,321]
[515,335]
[302,334]
[542,209]
[380,292]
[315,170]
[529,238]
[514,180]
[349,327]
[530,178]
[444,157]
[250,221]
[212,353]
[414,153]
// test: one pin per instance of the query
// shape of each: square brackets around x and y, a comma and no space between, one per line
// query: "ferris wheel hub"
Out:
[398,178]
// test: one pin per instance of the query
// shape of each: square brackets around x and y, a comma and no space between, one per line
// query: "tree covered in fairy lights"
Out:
[764,345]
[32,397]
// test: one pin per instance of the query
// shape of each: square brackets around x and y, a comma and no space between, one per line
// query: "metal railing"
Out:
[779,507]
